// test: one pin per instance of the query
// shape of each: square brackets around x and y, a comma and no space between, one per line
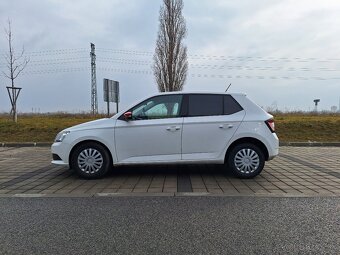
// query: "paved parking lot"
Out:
[298,171]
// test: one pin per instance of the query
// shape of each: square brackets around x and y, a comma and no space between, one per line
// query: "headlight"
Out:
[60,137]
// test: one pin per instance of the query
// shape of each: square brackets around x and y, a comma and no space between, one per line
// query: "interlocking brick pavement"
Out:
[297,171]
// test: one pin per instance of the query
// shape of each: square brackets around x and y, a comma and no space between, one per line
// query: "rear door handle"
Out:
[223,126]
[173,128]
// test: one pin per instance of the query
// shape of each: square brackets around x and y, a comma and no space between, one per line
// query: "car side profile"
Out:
[173,128]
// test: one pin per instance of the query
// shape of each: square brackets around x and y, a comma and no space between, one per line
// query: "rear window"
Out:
[212,105]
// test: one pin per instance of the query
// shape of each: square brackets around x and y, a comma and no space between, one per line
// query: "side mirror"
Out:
[128,116]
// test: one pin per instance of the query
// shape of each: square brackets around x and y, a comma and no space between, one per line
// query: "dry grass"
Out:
[300,127]
[293,127]
[39,128]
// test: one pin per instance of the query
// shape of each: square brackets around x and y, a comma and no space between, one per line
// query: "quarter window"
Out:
[230,105]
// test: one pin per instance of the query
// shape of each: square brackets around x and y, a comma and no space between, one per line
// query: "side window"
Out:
[205,105]
[230,105]
[158,107]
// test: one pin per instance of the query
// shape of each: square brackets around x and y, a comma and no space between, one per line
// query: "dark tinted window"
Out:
[205,105]
[230,105]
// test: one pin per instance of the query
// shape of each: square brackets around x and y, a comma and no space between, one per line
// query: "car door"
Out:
[210,123]
[154,132]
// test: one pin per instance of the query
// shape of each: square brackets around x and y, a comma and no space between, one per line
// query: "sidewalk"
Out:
[297,171]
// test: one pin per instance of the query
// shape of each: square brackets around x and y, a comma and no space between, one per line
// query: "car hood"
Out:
[101,123]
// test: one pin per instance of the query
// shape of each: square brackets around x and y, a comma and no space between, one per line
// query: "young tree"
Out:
[16,63]
[170,59]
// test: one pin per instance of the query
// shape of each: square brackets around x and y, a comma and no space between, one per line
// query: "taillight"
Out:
[271,125]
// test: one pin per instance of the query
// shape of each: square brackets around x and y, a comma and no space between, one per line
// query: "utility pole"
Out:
[94,98]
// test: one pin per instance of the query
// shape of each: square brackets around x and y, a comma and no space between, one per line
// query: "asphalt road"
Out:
[170,225]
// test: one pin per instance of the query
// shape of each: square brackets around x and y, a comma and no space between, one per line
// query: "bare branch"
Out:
[5,75]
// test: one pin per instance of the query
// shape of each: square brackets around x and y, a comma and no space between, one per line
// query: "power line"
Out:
[55,53]
[215,57]
[261,68]
[69,57]
[58,50]
[56,61]
[148,71]
[56,70]
[228,57]
[125,61]
[122,70]
[53,50]
[220,76]
[59,59]
[120,51]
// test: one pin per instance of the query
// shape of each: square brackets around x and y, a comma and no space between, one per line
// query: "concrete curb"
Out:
[310,144]
[292,144]
[171,194]
[29,144]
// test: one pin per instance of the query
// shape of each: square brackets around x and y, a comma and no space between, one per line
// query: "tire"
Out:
[91,160]
[246,160]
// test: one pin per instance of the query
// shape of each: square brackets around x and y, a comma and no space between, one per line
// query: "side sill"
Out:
[59,162]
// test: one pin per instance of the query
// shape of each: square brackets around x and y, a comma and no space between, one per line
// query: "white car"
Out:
[176,127]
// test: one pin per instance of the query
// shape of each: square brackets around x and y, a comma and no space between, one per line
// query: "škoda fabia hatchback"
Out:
[173,128]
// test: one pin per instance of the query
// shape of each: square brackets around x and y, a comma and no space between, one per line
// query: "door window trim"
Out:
[185,104]
[180,115]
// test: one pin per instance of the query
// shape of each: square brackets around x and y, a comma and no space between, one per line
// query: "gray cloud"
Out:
[273,50]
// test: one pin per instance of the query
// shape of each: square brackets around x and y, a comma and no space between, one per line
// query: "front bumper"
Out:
[60,153]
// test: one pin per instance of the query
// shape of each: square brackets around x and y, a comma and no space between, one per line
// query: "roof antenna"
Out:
[228,87]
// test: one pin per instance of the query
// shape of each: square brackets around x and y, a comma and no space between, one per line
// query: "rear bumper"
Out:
[273,147]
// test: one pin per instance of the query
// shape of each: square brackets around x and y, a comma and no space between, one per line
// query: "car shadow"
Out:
[169,170]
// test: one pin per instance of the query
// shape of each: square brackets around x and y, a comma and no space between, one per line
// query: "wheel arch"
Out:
[84,142]
[251,140]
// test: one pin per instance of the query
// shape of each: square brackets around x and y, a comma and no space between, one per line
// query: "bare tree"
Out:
[170,59]
[16,63]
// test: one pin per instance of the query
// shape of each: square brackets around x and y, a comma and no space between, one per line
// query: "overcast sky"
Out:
[281,53]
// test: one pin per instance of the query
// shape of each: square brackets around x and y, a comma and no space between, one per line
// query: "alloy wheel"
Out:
[246,161]
[90,160]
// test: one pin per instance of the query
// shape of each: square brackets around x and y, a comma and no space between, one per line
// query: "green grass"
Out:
[297,127]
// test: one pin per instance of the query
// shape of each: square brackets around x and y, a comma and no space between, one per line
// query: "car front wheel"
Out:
[90,160]
[246,160]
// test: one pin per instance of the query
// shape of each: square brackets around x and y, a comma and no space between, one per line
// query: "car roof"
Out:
[198,92]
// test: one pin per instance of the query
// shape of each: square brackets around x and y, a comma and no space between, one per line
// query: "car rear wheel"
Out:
[246,160]
[91,160]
